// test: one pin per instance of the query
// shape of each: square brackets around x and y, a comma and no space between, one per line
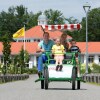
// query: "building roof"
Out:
[31,47]
[34,32]
[93,47]
[37,32]
[56,33]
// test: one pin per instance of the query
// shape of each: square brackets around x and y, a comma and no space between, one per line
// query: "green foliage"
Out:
[96,68]
[6,52]
[93,26]
[72,20]
[18,64]
[26,56]
[73,35]
[1,66]
[33,19]
[14,19]
[30,71]
[55,17]
[21,60]
[83,68]
[92,68]
[10,69]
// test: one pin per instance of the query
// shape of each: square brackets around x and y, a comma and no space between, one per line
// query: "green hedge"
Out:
[30,71]
[16,70]
[92,68]
[83,68]
[96,68]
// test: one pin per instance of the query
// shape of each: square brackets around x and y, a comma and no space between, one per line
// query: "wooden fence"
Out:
[95,78]
[13,77]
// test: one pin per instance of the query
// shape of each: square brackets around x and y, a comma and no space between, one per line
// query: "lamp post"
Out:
[86,9]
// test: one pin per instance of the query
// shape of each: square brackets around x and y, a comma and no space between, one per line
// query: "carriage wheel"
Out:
[74,73]
[78,84]
[42,81]
[42,84]
[46,78]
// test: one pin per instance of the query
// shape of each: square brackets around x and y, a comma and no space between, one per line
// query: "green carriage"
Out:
[69,72]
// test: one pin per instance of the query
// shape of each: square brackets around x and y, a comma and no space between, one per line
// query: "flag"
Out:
[19,33]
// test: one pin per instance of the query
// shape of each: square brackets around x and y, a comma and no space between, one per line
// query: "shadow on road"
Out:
[64,89]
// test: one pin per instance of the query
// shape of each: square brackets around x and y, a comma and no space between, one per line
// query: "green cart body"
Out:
[69,71]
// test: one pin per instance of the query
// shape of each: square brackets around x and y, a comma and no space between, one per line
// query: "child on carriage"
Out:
[76,50]
[58,51]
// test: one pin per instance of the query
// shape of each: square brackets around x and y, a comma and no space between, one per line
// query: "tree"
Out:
[13,20]
[8,22]
[16,64]
[16,18]
[26,56]
[93,26]
[74,34]
[55,17]
[72,20]
[33,19]
[6,52]
[21,16]
[23,59]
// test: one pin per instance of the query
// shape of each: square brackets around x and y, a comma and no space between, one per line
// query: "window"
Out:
[99,59]
[28,40]
[38,40]
[91,59]
[2,59]
[82,58]
[54,40]
[42,22]
[34,40]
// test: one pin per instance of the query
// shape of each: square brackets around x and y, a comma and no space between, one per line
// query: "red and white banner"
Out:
[61,27]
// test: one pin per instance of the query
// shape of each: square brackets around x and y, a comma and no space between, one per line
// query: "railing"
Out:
[13,77]
[69,58]
[95,78]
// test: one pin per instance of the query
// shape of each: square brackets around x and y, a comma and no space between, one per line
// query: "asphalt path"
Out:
[29,90]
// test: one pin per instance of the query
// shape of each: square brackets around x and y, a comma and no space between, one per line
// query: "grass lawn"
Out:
[97,84]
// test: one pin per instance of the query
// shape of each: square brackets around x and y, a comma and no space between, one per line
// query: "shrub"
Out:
[33,70]
[1,66]
[30,71]
[96,68]
[83,68]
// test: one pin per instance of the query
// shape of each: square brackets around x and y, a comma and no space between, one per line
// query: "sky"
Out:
[69,8]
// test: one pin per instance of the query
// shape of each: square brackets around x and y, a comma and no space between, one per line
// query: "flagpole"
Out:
[24,43]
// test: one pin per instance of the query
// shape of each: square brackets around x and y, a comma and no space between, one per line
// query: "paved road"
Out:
[29,90]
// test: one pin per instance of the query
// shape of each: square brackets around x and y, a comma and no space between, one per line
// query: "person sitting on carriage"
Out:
[58,51]
[43,46]
[75,49]
[63,40]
